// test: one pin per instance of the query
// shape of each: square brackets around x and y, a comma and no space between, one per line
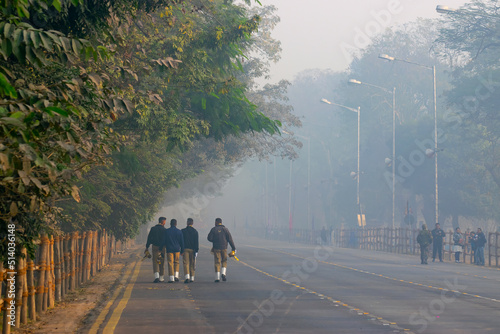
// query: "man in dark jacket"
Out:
[480,243]
[437,243]
[155,238]
[174,244]
[190,250]
[220,236]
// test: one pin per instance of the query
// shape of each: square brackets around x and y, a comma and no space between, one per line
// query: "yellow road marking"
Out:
[104,312]
[117,313]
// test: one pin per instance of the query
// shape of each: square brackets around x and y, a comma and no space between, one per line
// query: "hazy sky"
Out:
[320,33]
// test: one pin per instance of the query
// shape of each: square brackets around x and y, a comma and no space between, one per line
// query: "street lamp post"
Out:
[433,69]
[358,111]
[357,82]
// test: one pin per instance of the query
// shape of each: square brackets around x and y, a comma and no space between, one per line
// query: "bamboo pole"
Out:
[52,283]
[93,252]
[31,290]
[20,274]
[24,311]
[6,303]
[79,270]
[72,258]
[88,254]
[66,263]
[85,257]
[57,268]
[41,275]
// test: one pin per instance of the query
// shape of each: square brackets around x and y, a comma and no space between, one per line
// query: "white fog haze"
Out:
[318,41]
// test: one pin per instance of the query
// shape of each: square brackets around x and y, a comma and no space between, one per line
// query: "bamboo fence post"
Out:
[20,273]
[90,252]
[46,273]
[80,273]
[41,275]
[73,243]
[1,283]
[103,253]
[24,311]
[52,286]
[93,249]
[57,269]
[66,263]
[98,239]
[6,303]
[31,290]
[85,257]
[89,255]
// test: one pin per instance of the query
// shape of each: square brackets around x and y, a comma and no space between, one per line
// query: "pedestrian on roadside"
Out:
[424,239]
[438,236]
[324,236]
[155,238]
[220,236]
[174,244]
[191,247]
[480,243]
[472,245]
[459,241]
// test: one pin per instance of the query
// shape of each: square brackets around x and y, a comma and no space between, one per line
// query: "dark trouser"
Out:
[480,255]
[423,254]
[457,256]
[158,266]
[437,247]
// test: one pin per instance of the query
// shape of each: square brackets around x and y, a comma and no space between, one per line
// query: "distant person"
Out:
[438,236]
[459,242]
[324,236]
[155,238]
[480,243]
[174,244]
[191,247]
[424,239]
[220,236]
[472,244]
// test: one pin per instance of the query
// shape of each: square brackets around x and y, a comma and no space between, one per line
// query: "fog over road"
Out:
[279,287]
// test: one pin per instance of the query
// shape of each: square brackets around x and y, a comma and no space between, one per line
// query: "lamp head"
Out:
[385,57]
[354,82]
[445,9]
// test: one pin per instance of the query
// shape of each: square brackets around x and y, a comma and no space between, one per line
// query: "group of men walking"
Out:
[171,243]
[436,237]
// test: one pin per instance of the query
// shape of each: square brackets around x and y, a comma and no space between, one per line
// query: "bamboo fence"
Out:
[61,264]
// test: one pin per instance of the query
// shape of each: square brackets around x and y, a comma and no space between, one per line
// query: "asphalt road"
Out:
[278,287]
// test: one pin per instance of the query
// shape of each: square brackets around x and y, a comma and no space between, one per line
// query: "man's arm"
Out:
[149,241]
[211,235]
[181,241]
[196,241]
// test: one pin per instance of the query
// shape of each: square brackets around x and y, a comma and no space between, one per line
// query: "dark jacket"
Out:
[481,240]
[173,240]
[424,238]
[438,235]
[219,236]
[156,235]
[190,238]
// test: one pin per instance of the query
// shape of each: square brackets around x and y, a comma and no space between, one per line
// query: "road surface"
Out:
[278,287]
